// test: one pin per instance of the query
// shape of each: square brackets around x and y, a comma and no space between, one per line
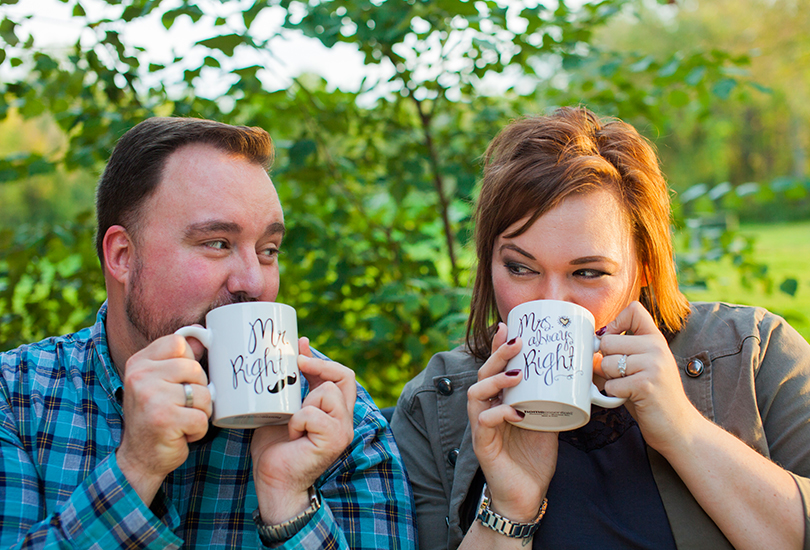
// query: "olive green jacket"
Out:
[743,368]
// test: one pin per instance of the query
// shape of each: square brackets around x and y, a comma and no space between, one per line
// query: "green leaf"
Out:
[695,76]
[302,149]
[190,75]
[192,11]
[226,43]
[789,286]
[132,12]
[724,87]
[642,64]
[762,88]
[607,70]
[250,14]
[40,166]
[248,72]
[670,68]
[439,305]
[7,27]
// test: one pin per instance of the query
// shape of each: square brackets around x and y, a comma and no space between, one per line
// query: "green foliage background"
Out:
[377,183]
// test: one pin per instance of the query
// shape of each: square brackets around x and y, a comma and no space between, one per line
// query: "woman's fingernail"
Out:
[521,414]
[512,341]
[601,331]
[513,372]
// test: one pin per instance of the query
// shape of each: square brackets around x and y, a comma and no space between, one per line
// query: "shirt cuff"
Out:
[106,512]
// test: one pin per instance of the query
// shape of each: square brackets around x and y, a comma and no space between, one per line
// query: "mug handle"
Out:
[200,333]
[595,395]
[204,336]
[605,400]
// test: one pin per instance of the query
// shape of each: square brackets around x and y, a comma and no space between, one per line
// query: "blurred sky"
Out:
[289,54]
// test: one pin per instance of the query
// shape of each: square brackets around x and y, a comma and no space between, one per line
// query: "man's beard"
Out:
[149,326]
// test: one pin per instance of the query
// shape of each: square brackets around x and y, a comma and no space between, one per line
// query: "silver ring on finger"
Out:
[189,393]
[622,366]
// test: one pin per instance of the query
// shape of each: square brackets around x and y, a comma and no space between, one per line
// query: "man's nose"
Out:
[247,276]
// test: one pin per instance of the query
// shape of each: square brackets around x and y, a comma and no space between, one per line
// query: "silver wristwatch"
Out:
[504,526]
[274,534]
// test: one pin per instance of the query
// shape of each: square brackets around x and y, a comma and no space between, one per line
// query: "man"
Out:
[101,446]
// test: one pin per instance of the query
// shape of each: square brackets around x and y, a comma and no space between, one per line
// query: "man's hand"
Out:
[288,459]
[157,424]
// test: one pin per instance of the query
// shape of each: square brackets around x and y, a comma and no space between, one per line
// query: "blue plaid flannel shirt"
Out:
[60,486]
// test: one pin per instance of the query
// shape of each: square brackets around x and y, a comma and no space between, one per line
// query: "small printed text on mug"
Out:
[265,356]
[548,347]
[548,414]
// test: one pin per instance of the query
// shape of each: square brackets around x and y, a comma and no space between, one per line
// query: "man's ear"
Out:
[119,253]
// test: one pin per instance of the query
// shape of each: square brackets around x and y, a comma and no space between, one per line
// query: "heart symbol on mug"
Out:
[564,321]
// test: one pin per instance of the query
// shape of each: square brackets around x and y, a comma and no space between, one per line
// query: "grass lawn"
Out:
[785,249]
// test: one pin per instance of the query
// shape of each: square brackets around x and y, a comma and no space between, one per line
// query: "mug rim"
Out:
[564,303]
[258,303]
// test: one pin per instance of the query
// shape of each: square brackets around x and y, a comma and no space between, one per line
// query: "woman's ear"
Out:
[119,252]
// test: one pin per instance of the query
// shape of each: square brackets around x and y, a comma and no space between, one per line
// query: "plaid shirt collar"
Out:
[102,362]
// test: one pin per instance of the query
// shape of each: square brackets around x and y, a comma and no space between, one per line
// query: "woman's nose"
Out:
[554,288]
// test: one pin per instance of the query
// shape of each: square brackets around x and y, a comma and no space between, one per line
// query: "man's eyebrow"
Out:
[275,229]
[212,226]
[202,229]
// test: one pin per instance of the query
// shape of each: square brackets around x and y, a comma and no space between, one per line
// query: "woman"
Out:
[711,450]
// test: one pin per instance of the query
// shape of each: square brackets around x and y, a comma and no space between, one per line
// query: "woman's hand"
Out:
[651,381]
[518,464]
[751,499]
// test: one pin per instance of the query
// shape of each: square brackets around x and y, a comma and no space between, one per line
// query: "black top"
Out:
[603,494]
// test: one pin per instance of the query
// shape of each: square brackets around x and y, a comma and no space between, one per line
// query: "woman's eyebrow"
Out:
[593,259]
[514,247]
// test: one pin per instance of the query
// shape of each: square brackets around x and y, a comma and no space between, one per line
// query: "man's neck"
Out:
[119,340]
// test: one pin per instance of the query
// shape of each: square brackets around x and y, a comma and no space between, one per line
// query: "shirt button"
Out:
[694,368]
[452,456]
[444,386]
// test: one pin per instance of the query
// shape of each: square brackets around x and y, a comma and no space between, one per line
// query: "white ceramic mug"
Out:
[556,363]
[252,363]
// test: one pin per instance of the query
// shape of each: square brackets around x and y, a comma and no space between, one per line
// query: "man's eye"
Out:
[218,245]
[271,252]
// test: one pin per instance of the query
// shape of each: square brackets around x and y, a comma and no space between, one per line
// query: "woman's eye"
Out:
[590,273]
[517,269]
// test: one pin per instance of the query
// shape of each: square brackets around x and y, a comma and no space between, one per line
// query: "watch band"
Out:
[504,526]
[274,534]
